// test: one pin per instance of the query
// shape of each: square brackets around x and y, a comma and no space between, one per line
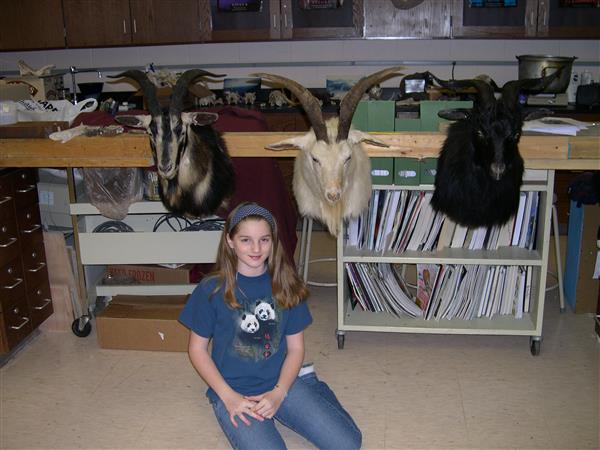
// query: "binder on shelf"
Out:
[406,171]
[427,170]
[382,170]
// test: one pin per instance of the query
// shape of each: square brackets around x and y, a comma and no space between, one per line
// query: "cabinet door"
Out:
[166,21]
[428,19]
[347,20]
[30,24]
[245,25]
[488,22]
[90,23]
[557,20]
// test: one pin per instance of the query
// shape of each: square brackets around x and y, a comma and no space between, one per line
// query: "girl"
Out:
[253,308]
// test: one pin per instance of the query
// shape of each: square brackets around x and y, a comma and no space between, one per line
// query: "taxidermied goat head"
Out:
[480,170]
[194,168]
[332,173]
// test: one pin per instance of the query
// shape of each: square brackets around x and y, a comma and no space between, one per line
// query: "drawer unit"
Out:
[25,300]
[16,322]
[12,281]
[40,303]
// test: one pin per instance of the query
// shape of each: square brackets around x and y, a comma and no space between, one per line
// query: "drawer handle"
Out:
[17,282]
[5,199]
[34,228]
[38,268]
[29,188]
[48,301]
[25,320]
[9,243]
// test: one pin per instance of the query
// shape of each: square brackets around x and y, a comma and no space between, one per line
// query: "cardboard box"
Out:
[427,170]
[360,119]
[132,322]
[374,116]
[581,289]
[382,170]
[406,171]
[430,121]
[149,274]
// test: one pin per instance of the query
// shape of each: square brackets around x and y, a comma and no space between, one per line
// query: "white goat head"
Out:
[332,172]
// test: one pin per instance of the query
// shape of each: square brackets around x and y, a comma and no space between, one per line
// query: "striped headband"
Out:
[251,209]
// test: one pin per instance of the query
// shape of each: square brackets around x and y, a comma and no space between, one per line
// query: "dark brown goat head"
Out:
[167,126]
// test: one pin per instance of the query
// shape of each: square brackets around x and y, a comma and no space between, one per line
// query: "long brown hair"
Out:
[288,289]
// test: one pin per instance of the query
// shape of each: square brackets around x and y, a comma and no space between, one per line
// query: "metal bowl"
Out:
[536,66]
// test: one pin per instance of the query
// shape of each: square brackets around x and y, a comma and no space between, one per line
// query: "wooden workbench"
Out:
[133,150]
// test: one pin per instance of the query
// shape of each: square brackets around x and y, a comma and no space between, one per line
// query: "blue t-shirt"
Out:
[249,344]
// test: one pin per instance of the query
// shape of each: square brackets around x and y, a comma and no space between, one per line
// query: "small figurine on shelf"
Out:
[232,98]
[249,98]
[277,98]
[209,100]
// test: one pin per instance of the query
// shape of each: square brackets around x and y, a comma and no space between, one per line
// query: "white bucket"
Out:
[8,112]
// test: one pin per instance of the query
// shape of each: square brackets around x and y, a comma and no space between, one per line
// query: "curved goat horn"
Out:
[181,87]
[485,91]
[309,103]
[147,86]
[510,91]
[351,99]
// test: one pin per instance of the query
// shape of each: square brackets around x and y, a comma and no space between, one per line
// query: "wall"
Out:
[310,62]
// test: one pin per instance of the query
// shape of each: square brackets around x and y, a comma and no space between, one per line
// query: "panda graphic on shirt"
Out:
[258,330]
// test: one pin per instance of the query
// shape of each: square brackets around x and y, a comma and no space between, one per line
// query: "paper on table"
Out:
[555,125]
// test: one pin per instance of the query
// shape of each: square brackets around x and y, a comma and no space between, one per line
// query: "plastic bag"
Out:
[112,190]
[53,110]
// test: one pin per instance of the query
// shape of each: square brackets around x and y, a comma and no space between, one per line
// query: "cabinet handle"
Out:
[134,26]
[38,268]
[25,320]
[29,188]
[124,27]
[34,228]
[9,243]
[47,302]
[275,21]
[18,282]
[285,20]
[5,199]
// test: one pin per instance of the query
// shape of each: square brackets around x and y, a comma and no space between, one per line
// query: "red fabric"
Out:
[257,179]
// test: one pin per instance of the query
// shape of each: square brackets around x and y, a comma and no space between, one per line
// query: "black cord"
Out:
[169,219]
[216,224]
[112,226]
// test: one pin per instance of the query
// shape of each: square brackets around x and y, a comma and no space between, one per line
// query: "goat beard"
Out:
[332,213]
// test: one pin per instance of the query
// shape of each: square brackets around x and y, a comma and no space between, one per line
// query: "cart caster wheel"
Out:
[535,346]
[340,339]
[81,332]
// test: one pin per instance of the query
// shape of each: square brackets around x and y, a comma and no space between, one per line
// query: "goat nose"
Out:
[498,170]
[333,196]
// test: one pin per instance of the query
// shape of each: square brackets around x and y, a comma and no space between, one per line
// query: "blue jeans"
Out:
[310,409]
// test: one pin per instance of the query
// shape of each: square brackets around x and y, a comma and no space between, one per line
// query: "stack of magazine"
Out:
[380,287]
[403,220]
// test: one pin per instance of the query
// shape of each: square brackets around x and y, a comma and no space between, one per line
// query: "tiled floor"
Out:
[405,391]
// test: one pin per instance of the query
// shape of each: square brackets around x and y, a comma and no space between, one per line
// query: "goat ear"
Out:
[454,114]
[199,118]
[537,113]
[356,137]
[142,121]
[297,143]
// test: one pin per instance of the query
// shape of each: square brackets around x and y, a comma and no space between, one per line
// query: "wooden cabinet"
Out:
[25,300]
[284,19]
[139,22]
[517,22]
[429,19]
[529,18]
[31,24]
[567,22]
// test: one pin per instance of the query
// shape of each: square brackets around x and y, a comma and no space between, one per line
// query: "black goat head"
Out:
[480,169]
